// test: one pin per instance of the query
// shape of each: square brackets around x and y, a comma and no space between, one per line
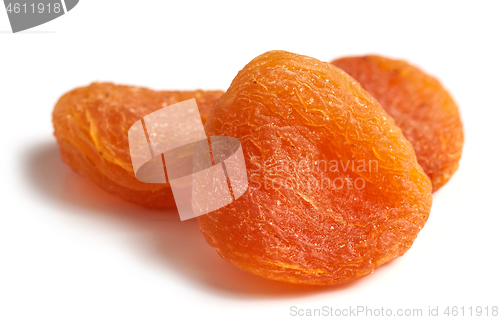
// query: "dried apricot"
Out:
[335,189]
[420,106]
[91,126]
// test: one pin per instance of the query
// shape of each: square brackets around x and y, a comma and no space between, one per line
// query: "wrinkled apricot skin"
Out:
[91,126]
[420,106]
[285,108]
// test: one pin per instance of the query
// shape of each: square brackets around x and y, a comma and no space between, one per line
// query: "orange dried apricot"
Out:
[335,189]
[91,126]
[420,106]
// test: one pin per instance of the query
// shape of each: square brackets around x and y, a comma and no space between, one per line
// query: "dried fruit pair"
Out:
[335,188]
[91,126]
[419,105]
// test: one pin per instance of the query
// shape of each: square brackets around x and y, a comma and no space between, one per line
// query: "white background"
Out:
[70,251]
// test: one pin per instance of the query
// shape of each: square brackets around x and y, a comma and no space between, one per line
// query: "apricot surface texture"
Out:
[91,126]
[420,106]
[335,189]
